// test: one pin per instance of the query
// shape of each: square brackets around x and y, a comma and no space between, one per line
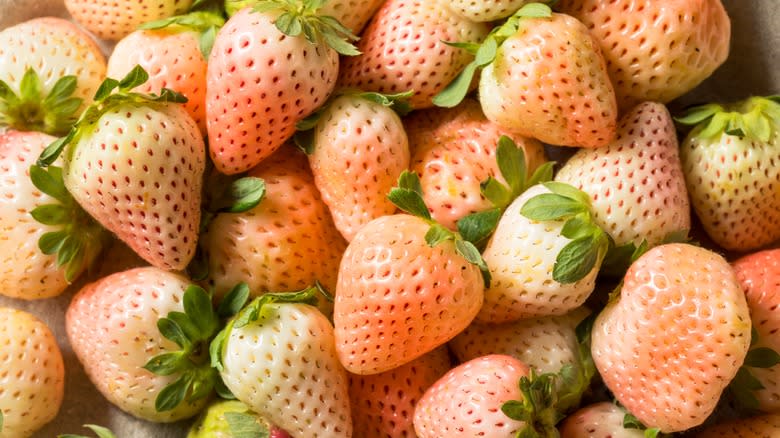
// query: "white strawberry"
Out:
[601,420]
[279,358]
[32,374]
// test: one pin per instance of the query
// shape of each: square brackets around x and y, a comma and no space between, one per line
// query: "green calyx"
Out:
[486,52]
[109,95]
[631,422]
[408,196]
[205,24]
[80,238]
[742,388]
[245,315]
[229,418]
[589,243]
[31,110]
[756,118]
[100,432]
[539,407]
[300,17]
[192,330]
[304,135]
[478,227]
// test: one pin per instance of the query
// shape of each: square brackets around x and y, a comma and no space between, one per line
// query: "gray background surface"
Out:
[752,68]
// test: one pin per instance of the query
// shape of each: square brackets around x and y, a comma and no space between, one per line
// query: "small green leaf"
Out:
[246,193]
[437,234]
[340,45]
[469,252]
[631,422]
[173,394]
[472,48]
[652,433]
[495,192]
[578,226]
[456,91]
[234,301]
[206,41]
[399,102]
[742,387]
[158,24]
[487,52]
[289,24]
[51,242]
[166,364]
[135,77]
[198,306]
[7,94]
[542,174]
[576,260]
[170,330]
[762,358]
[305,141]
[50,181]
[512,164]
[516,410]
[535,10]
[188,327]
[568,191]
[30,86]
[53,151]
[216,347]
[408,195]
[478,227]
[716,126]
[244,425]
[695,115]
[551,207]
[63,88]
[105,89]
[167,96]
[68,251]
[222,390]
[51,214]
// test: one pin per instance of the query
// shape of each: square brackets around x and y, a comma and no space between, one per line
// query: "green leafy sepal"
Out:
[31,110]
[756,118]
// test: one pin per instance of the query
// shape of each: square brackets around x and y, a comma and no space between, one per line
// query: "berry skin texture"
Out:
[521,256]
[486,10]
[403,50]
[765,426]
[682,42]
[636,183]
[675,337]
[734,184]
[25,272]
[32,374]
[54,48]
[139,173]
[601,420]
[467,400]
[173,60]
[260,83]
[397,298]
[353,14]
[284,367]
[383,404]
[360,150]
[759,276]
[285,243]
[454,150]
[114,19]
[112,326]
[549,82]
[546,344]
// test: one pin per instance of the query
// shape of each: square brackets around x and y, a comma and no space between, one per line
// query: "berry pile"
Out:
[337,218]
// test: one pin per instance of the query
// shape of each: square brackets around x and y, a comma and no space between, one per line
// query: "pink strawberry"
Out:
[26,272]
[287,242]
[601,420]
[383,404]
[135,163]
[636,184]
[358,150]
[674,338]
[352,14]
[264,76]
[467,400]
[728,164]
[173,61]
[278,357]
[487,10]
[656,51]
[453,151]
[546,344]
[406,285]
[403,49]
[112,325]
[32,374]
[116,19]
[42,62]
[546,79]
[765,426]
[759,276]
